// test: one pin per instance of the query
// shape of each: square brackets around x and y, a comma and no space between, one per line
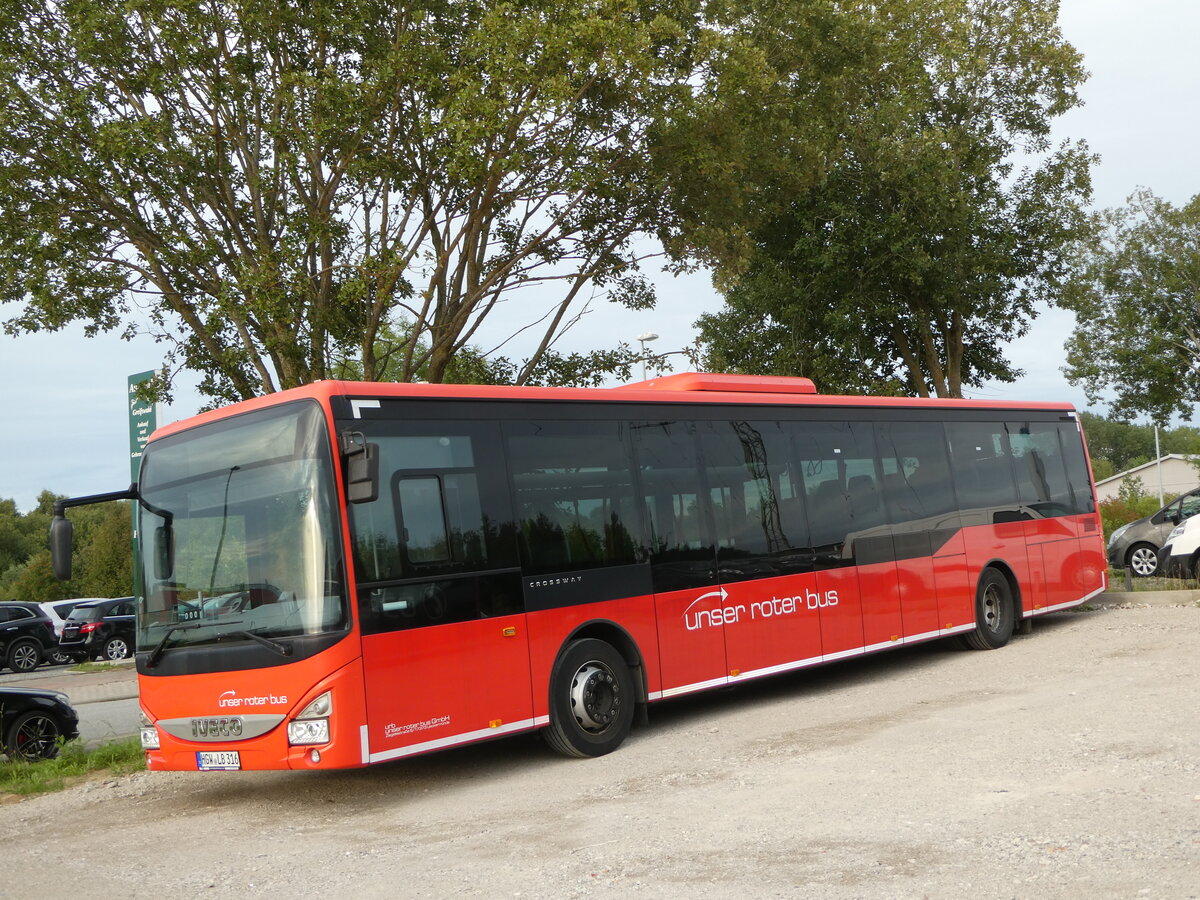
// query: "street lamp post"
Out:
[644,338]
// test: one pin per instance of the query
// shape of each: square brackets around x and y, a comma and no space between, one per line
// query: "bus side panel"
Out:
[918,595]
[778,623]
[691,637]
[446,684]
[1092,571]
[1053,554]
[551,629]
[955,592]
[842,600]
[881,618]
[1003,543]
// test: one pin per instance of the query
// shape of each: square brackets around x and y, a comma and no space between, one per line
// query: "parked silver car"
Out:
[1136,545]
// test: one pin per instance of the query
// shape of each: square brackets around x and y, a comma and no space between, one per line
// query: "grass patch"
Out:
[1116,582]
[96,667]
[73,763]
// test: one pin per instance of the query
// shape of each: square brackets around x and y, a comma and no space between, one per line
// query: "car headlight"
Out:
[311,726]
[1179,529]
[1115,536]
[149,733]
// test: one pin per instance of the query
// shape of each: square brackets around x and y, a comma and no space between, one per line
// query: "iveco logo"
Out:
[217,727]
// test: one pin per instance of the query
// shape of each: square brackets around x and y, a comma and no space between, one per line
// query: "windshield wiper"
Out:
[281,649]
[157,652]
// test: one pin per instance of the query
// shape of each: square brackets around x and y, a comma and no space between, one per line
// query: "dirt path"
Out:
[1063,766]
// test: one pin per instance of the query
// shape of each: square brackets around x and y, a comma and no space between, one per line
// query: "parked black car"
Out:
[26,635]
[100,629]
[32,721]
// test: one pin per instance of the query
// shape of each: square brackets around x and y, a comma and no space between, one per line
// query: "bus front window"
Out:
[238,531]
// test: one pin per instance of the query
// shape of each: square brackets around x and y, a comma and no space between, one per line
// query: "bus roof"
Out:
[687,387]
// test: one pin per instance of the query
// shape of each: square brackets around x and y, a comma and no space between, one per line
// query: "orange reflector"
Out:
[510,631]
[895,637]
[495,723]
[734,673]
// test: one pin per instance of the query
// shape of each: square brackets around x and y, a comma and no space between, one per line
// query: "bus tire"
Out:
[995,613]
[592,700]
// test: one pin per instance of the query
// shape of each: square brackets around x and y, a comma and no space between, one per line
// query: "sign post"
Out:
[143,419]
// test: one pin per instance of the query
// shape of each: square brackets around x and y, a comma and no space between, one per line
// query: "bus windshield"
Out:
[238,534]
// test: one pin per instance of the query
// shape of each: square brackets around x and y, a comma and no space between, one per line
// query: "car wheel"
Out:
[58,658]
[24,656]
[116,648]
[1143,559]
[32,736]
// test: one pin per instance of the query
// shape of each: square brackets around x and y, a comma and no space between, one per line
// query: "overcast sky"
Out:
[63,397]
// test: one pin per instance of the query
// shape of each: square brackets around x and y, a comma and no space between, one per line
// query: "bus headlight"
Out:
[148,731]
[311,726]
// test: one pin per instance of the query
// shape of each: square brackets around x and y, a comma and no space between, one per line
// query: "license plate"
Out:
[212,760]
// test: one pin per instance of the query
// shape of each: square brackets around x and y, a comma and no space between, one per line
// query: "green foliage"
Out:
[73,761]
[1122,510]
[102,563]
[1132,490]
[1135,302]
[919,247]
[272,184]
[1116,446]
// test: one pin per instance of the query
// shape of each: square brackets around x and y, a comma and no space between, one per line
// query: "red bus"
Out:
[347,573]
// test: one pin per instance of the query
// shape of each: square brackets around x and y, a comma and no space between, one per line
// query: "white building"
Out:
[1178,475]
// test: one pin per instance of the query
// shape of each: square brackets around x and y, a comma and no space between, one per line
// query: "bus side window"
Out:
[756,496]
[979,458]
[680,541]
[917,484]
[1038,465]
[841,484]
[573,489]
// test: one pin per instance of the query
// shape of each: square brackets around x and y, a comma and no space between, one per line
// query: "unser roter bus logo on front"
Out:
[231,699]
[719,612]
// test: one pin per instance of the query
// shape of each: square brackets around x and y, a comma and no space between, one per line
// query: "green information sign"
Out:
[143,419]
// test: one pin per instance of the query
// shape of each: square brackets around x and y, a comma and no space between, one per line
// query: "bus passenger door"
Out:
[440,604]
[445,671]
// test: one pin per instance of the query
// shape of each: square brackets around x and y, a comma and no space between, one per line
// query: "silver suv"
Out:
[1136,545]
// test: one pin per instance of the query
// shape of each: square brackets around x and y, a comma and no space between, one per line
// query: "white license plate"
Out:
[212,760]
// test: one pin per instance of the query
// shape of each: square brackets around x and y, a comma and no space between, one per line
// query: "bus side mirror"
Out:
[62,536]
[164,552]
[362,468]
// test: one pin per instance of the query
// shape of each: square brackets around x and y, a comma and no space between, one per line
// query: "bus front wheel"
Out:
[592,700]
[995,613]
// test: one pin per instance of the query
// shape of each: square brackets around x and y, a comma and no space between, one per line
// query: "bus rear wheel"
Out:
[995,613]
[592,700]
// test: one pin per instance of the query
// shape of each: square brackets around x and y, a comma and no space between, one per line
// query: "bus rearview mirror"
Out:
[62,536]
[362,468]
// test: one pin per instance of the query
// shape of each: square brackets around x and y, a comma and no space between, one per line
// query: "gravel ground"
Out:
[1063,766]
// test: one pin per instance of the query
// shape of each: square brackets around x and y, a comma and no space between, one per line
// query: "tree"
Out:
[1137,306]
[105,561]
[269,186]
[921,247]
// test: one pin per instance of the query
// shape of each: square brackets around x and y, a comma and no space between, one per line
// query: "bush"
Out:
[1123,510]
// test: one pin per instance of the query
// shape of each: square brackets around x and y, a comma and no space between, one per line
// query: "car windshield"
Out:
[84,614]
[238,531]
